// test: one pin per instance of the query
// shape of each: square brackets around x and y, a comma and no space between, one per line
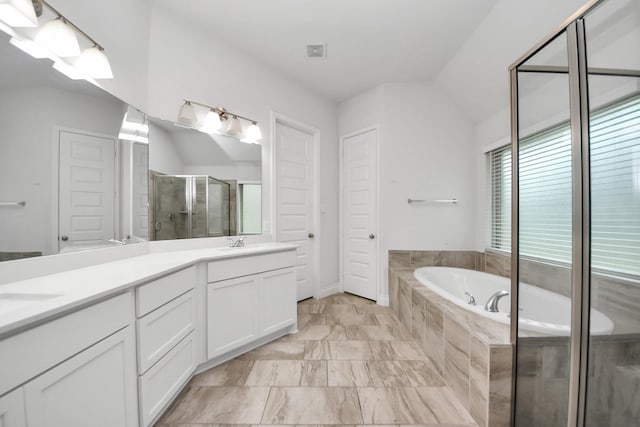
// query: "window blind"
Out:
[545,191]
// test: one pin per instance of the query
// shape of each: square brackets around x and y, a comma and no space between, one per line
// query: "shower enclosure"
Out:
[575,224]
[187,206]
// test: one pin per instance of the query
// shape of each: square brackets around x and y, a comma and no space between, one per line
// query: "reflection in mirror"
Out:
[202,185]
[74,154]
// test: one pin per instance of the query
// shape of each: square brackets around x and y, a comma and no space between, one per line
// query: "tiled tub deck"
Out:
[472,353]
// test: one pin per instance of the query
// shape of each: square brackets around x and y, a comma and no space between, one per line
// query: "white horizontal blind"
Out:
[545,191]
[615,187]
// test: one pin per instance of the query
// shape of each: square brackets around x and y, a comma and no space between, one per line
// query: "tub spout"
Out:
[492,304]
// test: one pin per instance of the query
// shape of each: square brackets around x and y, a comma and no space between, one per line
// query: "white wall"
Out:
[26,153]
[187,63]
[426,152]
[238,172]
[122,28]
[163,156]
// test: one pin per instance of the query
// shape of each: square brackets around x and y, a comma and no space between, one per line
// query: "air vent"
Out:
[316,51]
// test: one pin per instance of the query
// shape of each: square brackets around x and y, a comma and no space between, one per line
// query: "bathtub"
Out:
[541,312]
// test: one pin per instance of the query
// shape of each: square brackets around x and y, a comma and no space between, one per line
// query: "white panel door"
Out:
[86,199]
[359,210]
[294,200]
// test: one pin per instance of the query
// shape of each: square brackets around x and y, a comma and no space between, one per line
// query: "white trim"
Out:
[55,183]
[317,228]
[378,247]
[502,142]
[383,300]
[332,289]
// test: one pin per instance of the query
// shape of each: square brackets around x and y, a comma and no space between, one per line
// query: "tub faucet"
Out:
[117,242]
[492,304]
[236,243]
[470,298]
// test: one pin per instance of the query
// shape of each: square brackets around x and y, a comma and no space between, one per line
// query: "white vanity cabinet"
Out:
[166,311]
[12,410]
[249,298]
[74,371]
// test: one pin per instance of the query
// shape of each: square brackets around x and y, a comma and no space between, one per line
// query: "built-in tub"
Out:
[541,312]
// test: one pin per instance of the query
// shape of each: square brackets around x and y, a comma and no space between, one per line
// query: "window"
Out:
[545,191]
[250,208]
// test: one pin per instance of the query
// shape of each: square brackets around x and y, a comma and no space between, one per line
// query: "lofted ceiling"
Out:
[369,42]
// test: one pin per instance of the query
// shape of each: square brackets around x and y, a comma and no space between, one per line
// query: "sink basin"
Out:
[13,301]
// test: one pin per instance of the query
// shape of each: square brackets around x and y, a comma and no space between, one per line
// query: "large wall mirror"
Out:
[202,185]
[73,166]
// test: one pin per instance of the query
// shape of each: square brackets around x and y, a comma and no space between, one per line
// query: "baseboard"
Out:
[329,290]
[383,300]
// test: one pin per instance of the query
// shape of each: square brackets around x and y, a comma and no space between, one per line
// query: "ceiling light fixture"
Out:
[213,122]
[18,13]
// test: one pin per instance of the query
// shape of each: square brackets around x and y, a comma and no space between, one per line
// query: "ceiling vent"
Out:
[316,51]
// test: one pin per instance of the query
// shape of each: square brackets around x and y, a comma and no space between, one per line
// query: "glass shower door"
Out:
[613,383]
[171,207]
[544,237]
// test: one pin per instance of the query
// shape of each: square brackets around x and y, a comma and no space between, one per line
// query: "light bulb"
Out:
[59,38]
[187,115]
[94,63]
[18,13]
[212,122]
[253,133]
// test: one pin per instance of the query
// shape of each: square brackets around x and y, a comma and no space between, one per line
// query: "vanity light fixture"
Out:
[214,122]
[18,13]
[59,37]
[93,62]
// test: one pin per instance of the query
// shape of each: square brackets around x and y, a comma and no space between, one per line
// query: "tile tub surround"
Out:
[351,363]
[472,353]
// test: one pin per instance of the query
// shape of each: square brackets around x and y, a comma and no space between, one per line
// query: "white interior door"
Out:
[294,200]
[86,187]
[359,214]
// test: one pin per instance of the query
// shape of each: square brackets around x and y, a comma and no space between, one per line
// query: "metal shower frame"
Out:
[578,73]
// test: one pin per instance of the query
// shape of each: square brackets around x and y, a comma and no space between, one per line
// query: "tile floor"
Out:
[351,362]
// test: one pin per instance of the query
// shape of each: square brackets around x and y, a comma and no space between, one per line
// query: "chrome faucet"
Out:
[492,304]
[470,298]
[118,242]
[236,243]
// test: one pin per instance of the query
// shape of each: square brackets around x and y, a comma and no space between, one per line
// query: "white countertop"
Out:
[80,287]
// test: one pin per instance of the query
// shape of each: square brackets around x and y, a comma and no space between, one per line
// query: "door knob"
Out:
[311,235]
[64,238]
[372,236]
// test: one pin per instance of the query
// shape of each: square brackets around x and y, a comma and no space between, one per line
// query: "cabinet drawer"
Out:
[25,355]
[247,265]
[162,290]
[160,384]
[163,328]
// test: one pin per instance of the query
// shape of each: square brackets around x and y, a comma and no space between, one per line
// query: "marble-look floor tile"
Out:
[197,406]
[306,320]
[387,319]
[314,373]
[286,349]
[372,309]
[411,405]
[275,373]
[352,319]
[312,405]
[422,373]
[320,332]
[350,350]
[231,373]
[370,373]
[346,298]
[340,309]
[311,308]
[317,350]
[376,333]
[396,350]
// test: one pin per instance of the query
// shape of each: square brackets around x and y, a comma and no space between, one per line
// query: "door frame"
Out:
[382,298]
[55,183]
[317,223]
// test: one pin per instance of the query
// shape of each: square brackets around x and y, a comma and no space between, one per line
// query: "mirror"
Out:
[202,185]
[73,162]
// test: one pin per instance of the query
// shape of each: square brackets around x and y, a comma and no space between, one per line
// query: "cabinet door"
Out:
[232,314]
[97,387]
[277,300]
[12,409]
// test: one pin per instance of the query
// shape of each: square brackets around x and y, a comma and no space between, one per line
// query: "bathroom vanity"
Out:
[113,344]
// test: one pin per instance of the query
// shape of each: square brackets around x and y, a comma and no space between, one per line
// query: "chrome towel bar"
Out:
[411,201]
[23,203]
